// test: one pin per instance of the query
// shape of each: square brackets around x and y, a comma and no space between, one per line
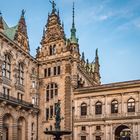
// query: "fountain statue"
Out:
[57,133]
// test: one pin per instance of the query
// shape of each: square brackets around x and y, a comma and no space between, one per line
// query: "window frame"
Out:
[114,106]
[21,73]
[98,108]
[131,105]
[6,66]
[83,109]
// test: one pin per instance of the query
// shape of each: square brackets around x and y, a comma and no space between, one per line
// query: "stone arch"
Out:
[122,132]
[7,126]
[22,128]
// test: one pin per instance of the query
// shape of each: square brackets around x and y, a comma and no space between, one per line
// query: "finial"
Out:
[83,56]
[23,12]
[58,12]
[43,32]
[53,6]
[87,62]
[96,52]
[0,13]
[73,14]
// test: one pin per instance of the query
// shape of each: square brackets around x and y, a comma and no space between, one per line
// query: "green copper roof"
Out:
[10,32]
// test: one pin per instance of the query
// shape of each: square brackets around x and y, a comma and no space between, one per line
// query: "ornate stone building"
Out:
[107,112]
[30,87]
[18,84]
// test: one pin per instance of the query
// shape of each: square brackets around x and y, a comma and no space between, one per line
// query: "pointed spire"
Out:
[21,33]
[53,6]
[87,65]
[96,54]
[62,24]
[1,22]
[43,32]
[73,29]
[73,14]
[22,24]
[96,68]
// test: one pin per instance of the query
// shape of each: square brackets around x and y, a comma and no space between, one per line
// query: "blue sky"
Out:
[112,26]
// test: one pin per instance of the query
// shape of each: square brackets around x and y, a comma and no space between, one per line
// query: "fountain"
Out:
[57,133]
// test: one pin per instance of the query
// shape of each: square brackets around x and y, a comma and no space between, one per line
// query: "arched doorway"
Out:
[21,128]
[7,127]
[122,132]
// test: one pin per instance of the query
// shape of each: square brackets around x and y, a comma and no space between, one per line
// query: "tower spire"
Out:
[73,15]
[53,6]
[73,29]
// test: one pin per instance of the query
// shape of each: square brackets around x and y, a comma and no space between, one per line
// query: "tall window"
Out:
[19,96]
[6,92]
[98,137]
[35,100]
[114,106]
[98,108]
[6,70]
[52,90]
[51,111]
[83,137]
[83,109]
[131,105]
[20,73]
[52,49]
[47,113]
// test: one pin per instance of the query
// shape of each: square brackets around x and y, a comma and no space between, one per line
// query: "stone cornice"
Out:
[107,87]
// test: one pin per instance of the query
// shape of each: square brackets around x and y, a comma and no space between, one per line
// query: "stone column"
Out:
[1,127]
[122,104]
[105,109]
[15,130]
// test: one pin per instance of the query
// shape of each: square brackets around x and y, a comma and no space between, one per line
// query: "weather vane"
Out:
[53,5]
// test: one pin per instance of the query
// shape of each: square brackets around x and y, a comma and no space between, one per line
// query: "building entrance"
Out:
[122,132]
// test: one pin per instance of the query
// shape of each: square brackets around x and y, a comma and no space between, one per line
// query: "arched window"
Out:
[51,91]
[6,70]
[98,108]
[21,73]
[114,106]
[83,109]
[131,105]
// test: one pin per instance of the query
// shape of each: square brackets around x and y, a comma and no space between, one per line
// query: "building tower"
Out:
[61,70]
